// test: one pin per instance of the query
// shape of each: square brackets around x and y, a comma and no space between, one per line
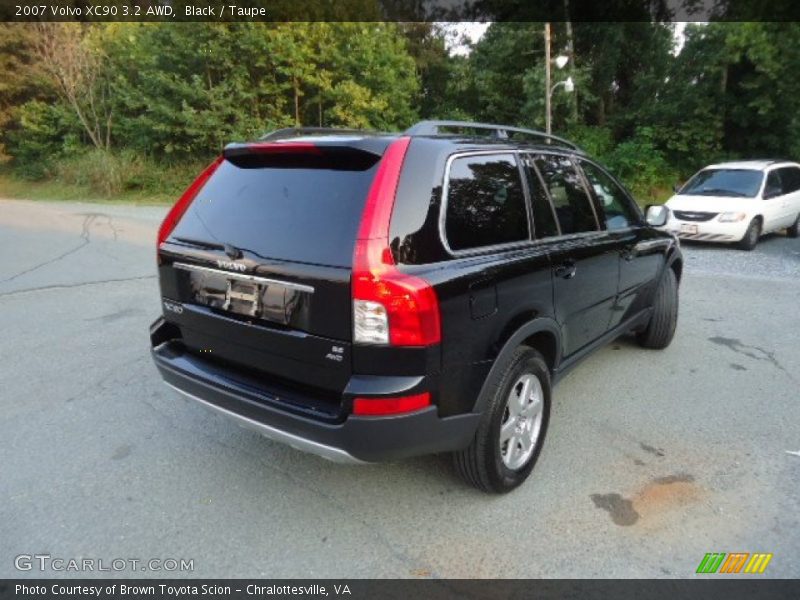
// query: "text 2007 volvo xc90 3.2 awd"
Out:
[369,297]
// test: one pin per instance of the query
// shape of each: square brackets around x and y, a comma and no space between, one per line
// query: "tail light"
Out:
[391,406]
[176,212]
[389,307]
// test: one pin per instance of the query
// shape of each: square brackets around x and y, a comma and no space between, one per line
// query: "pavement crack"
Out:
[85,240]
[109,221]
[64,286]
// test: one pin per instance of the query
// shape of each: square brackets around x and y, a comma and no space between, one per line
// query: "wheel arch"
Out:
[674,261]
[542,334]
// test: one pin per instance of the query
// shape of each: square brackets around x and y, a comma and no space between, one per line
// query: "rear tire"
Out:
[661,328]
[793,231]
[750,239]
[498,459]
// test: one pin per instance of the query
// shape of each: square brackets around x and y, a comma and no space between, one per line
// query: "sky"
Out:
[476,30]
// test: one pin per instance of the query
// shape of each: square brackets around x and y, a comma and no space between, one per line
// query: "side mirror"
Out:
[656,215]
[771,192]
[676,188]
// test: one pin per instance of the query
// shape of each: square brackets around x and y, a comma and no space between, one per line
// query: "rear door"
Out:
[585,259]
[257,271]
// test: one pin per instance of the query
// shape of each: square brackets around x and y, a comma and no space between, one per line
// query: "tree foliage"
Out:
[176,93]
[184,90]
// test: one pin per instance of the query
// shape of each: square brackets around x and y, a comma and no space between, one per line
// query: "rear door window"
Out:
[485,202]
[572,204]
[297,208]
[544,220]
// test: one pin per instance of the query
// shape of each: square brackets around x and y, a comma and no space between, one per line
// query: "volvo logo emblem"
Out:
[231,266]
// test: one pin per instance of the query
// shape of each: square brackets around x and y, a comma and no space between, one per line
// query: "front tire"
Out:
[661,328]
[511,432]
[750,239]
[793,231]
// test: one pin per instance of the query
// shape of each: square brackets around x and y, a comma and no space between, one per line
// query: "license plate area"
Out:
[243,298]
[688,228]
[244,295]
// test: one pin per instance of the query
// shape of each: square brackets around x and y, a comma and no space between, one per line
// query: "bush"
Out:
[111,174]
[642,167]
[37,138]
[597,141]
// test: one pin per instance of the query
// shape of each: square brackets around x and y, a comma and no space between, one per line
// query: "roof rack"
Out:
[499,131]
[291,132]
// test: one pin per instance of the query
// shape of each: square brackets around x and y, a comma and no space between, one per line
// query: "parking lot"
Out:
[652,459]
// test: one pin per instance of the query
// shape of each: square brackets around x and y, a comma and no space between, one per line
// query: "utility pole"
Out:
[548,125]
[571,55]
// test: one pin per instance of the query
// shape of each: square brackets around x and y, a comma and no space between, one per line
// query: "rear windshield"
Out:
[743,183]
[304,209]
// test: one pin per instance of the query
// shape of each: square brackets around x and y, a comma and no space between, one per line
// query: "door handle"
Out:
[566,270]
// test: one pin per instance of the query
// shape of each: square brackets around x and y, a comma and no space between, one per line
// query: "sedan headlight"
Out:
[732,217]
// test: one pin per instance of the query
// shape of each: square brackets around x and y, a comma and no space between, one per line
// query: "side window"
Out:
[573,207]
[544,221]
[773,187]
[790,177]
[612,199]
[485,202]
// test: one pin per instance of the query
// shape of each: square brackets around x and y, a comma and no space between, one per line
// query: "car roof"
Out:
[756,164]
[378,141]
[503,138]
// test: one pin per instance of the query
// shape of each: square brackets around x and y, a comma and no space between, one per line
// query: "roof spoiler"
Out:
[307,147]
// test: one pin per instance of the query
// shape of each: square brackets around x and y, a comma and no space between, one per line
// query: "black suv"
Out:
[370,297]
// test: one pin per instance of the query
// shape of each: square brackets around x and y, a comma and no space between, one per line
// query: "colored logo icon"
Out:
[734,562]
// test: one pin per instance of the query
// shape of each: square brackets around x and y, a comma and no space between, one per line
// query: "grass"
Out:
[57,191]
[74,187]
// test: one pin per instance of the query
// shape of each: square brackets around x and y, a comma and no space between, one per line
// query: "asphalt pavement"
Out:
[653,458]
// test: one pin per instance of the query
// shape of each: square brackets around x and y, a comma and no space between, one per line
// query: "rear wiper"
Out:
[232,251]
[200,243]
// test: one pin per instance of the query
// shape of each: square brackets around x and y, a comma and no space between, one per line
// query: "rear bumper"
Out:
[354,440]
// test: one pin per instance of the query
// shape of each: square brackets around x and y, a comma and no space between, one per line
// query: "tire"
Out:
[750,239]
[488,463]
[793,231]
[661,329]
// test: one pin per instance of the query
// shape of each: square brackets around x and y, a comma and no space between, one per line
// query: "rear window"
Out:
[485,202]
[299,208]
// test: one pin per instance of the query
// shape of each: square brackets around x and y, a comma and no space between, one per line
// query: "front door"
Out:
[774,202]
[790,205]
[640,248]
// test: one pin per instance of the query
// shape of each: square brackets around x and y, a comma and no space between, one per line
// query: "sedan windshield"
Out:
[743,183]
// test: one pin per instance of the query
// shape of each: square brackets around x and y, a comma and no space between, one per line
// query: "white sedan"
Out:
[738,202]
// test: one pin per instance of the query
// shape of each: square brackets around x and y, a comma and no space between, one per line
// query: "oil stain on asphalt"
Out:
[621,509]
[657,496]
[754,352]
